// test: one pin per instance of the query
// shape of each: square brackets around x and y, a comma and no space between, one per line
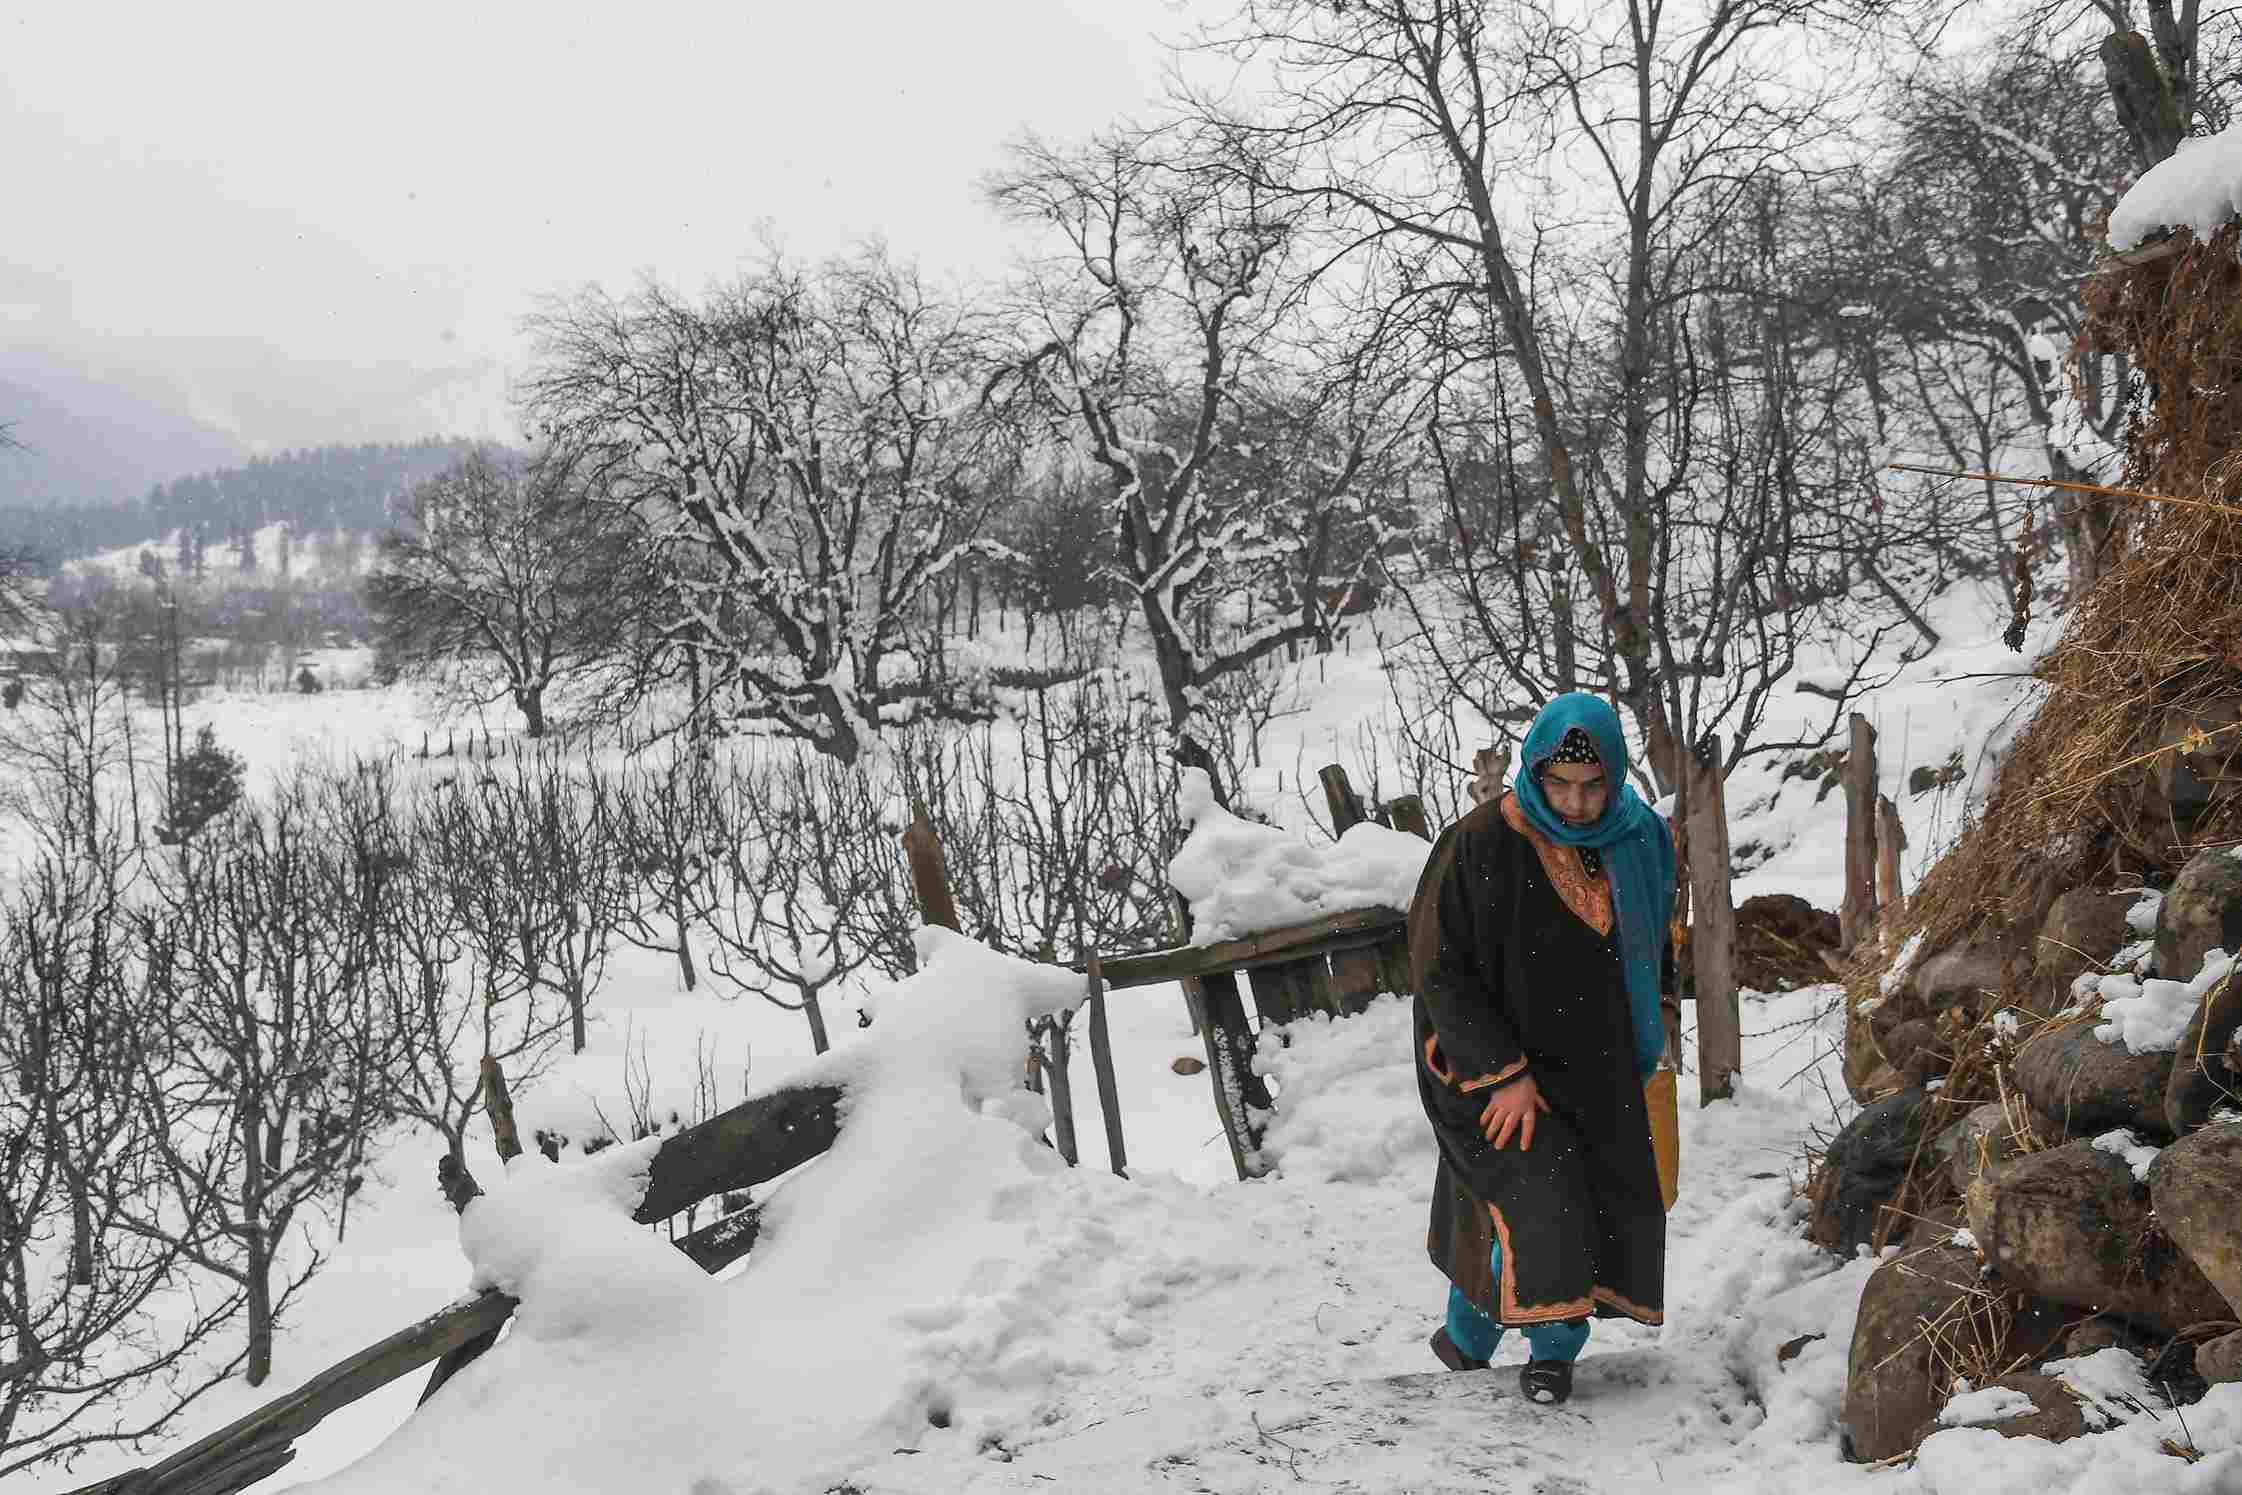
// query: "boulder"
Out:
[2087,1086]
[1935,1226]
[1892,1388]
[2080,934]
[1914,1049]
[2072,1224]
[2056,1414]
[2202,910]
[2207,1071]
[1981,1140]
[1864,1169]
[2196,1187]
[2104,1331]
[2201,761]
[1780,938]
[1868,1074]
[1972,974]
[2219,1361]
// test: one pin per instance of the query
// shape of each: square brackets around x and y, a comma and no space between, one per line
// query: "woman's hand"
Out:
[1512,1108]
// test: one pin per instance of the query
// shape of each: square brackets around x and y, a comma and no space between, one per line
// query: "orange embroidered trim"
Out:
[1440,1071]
[1588,897]
[1638,1313]
[1484,1081]
[1508,1290]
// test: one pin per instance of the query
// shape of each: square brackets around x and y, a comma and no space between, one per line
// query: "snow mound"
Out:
[2123,1144]
[1242,877]
[1350,1112]
[2199,186]
[885,1297]
[2149,1017]
[1988,1405]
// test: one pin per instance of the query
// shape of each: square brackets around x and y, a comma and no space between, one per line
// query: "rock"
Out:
[1780,938]
[1868,1074]
[1981,1140]
[1972,974]
[2182,784]
[2087,1086]
[2056,1414]
[2071,1224]
[2219,1361]
[1188,1065]
[1892,1393]
[2082,931]
[2202,910]
[1864,1169]
[1935,1226]
[1914,1049]
[2103,1331]
[2196,1186]
[2205,1072]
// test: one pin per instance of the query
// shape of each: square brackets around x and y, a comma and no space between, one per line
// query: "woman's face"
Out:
[1576,791]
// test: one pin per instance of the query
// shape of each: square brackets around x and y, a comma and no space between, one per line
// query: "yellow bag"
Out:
[1665,1131]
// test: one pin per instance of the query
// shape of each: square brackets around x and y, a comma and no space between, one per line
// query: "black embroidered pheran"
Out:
[1513,977]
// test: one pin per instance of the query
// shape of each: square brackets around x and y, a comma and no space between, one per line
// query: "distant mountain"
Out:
[87,441]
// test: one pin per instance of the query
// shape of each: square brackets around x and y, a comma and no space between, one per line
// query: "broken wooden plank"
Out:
[256,1443]
[752,1143]
[1349,930]
[1101,1059]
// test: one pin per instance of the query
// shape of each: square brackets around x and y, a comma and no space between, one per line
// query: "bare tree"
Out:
[1160,338]
[278,1060]
[667,826]
[812,891]
[510,576]
[807,450]
[1982,226]
[99,1341]
[1539,192]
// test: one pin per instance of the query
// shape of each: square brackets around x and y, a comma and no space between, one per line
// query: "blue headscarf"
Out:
[1637,848]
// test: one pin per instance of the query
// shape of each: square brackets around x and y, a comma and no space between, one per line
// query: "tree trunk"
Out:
[531,700]
[819,1041]
[1712,935]
[258,1284]
[1856,915]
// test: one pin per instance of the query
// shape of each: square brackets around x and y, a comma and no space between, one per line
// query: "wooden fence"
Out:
[1334,964]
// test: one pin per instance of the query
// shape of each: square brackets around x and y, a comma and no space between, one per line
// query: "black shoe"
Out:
[1450,1355]
[1547,1382]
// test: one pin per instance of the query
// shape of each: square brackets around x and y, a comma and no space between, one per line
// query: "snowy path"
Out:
[1271,1336]
[1430,1432]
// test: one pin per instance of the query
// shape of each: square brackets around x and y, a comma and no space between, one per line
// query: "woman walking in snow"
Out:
[1538,943]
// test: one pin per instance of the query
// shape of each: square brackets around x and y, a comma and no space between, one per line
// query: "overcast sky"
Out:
[297,210]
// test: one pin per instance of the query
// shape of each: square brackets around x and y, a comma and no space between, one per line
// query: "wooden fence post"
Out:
[1712,939]
[1891,840]
[1407,814]
[1356,975]
[1240,1097]
[1490,773]
[1856,915]
[930,877]
[1101,1059]
[1062,1090]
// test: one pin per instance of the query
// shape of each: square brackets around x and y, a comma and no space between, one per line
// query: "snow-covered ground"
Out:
[1076,1331]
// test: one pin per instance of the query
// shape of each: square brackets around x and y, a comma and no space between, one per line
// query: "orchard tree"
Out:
[1162,334]
[809,456]
[511,570]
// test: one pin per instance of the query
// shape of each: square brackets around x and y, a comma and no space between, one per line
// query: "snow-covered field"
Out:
[1178,1330]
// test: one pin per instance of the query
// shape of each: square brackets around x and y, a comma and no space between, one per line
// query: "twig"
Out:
[2067,484]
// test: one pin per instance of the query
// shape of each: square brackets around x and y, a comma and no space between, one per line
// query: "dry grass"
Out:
[2158,639]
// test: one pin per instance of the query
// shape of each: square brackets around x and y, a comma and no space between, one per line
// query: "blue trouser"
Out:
[1476,1334]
